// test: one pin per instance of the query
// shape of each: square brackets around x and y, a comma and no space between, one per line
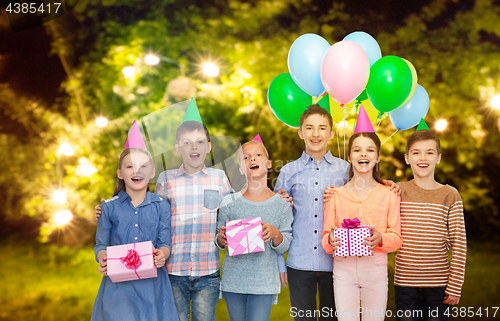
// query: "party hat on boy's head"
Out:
[422,125]
[257,139]
[192,113]
[363,123]
[134,139]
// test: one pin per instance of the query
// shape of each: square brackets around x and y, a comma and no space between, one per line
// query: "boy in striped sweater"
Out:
[432,223]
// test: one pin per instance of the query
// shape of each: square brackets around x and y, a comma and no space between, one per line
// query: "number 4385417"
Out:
[471,312]
[33,7]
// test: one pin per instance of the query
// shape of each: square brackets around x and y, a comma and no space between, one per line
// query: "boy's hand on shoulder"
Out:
[327,194]
[103,265]
[221,237]
[394,186]
[284,194]
[451,299]
[98,210]
[269,232]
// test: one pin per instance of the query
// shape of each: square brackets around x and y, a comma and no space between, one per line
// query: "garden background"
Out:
[59,77]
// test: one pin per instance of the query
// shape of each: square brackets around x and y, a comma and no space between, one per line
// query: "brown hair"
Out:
[190,126]
[313,110]
[376,140]
[421,135]
[120,183]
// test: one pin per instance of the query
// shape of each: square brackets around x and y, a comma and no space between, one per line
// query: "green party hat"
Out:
[422,125]
[192,113]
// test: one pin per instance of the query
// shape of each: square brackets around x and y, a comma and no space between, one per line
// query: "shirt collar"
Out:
[306,158]
[150,197]
[181,171]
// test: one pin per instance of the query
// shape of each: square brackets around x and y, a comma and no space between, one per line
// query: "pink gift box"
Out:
[131,261]
[352,240]
[244,236]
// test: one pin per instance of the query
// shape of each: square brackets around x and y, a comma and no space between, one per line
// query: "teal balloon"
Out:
[389,84]
[287,100]
[409,114]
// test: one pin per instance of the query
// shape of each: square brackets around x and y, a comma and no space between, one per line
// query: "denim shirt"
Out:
[305,181]
[123,223]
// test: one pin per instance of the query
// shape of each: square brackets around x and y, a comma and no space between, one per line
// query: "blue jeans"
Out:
[415,304]
[248,307]
[202,290]
[303,286]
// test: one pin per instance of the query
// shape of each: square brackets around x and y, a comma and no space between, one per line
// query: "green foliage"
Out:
[453,46]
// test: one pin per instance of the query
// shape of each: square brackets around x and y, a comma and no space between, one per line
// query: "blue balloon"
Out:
[409,114]
[368,43]
[304,62]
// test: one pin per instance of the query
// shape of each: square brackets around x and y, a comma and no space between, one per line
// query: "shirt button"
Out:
[315,231]
[135,212]
[194,219]
[315,215]
[311,158]
[192,256]
[135,225]
[315,199]
[317,168]
[136,237]
[316,183]
[359,202]
[315,247]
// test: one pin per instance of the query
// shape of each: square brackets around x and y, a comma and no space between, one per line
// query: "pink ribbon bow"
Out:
[354,223]
[132,261]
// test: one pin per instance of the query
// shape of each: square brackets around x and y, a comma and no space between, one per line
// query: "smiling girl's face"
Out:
[136,170]
[364,155]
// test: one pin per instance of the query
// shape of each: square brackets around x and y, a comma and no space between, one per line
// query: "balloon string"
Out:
[380,120]
[389,137]
[338,144]
[379,117]
[345,108]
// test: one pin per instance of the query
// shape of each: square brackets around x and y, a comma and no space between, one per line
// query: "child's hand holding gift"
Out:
[334,241]
[160,256]
[374,240]
[103,263]
[270,232]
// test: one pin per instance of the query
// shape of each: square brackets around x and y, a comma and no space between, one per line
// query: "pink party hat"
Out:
[257,139]
[134,139]
[363,124]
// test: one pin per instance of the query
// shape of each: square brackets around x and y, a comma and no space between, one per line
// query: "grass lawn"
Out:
[44,282]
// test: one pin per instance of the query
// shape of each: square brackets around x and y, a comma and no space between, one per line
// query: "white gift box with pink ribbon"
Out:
[244,236]
[132,261]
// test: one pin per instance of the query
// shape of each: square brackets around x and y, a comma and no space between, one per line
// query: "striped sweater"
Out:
[432,222]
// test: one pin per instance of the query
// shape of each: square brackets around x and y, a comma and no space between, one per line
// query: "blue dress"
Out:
[122,223]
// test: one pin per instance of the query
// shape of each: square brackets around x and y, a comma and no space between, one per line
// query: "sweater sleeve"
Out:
[285,229]
[329,221]
[391,238]
[458,240]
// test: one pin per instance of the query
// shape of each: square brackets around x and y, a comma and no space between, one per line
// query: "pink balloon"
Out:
[345,70]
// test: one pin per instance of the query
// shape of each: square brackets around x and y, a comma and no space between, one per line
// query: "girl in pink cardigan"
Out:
[364,197]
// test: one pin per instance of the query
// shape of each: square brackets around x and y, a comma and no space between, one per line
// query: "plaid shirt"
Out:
[194,201]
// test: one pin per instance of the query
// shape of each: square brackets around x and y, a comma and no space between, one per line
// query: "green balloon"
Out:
[389,84]
[363,96]
[325,103]
[287,100]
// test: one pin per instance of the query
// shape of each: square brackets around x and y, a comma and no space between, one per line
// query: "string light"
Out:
[441,125]
[85,168]
[151,60]
[101,122]
[495,102]
[129,72]
[210,69]
[62,218]
[59,197]
[66,149]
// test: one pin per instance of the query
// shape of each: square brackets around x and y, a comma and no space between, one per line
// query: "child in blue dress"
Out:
[250,283]
[135,215]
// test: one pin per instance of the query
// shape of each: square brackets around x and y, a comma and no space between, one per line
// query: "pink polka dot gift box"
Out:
[352,235]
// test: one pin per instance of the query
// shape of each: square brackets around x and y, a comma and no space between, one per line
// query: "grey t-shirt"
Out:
[255,273]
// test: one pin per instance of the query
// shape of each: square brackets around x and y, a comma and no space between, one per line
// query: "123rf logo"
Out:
[31,13]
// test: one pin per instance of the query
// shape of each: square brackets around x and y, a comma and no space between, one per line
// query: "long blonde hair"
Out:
[120,183]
